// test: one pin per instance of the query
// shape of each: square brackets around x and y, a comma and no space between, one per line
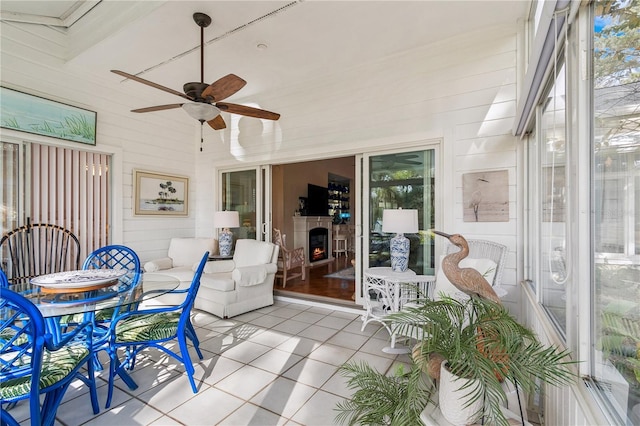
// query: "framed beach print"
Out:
[33,114]
[159,194]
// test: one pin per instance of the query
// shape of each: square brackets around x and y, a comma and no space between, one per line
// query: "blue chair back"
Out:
[28,366]
[188,302]
[4,282]
[115,257]
[22,337]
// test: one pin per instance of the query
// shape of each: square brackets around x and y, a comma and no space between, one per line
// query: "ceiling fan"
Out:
[204,99]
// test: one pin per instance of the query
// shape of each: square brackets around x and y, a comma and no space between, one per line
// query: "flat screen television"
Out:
[317,200]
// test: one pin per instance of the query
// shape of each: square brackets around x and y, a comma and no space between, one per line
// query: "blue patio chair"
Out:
[141,329]
[31,364]
[107,257]
[115,257]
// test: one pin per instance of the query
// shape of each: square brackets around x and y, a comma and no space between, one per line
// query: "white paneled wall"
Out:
[461,91]
[31,61]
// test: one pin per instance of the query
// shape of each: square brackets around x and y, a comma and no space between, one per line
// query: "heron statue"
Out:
[467,280]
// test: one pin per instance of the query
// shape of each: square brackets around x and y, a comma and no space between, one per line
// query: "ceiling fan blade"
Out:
[248,111]
[224,87]
[157,108]
[217,123]
[151,83]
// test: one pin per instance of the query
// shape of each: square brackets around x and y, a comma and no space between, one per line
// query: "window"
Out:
[616,205]
[239,193]
[402,180]
[583,199]
[553,202]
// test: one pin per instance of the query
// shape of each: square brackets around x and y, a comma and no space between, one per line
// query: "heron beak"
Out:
[442,234]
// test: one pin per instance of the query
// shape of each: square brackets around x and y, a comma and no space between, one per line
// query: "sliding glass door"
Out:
[397,180]
[248,192]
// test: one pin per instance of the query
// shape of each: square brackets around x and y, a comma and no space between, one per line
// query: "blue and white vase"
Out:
[225,242]
[399,247]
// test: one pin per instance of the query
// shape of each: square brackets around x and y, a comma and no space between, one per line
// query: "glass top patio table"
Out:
[120,293]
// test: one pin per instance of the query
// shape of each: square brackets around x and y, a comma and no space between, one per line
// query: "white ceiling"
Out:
[305,40]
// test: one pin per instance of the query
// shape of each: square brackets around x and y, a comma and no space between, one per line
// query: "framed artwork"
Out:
[486,196]
[158,194]
[33,114]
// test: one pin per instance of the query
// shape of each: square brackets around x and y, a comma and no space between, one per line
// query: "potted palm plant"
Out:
[476,340]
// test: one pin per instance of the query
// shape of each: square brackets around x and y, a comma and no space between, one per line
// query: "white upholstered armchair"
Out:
[227,287]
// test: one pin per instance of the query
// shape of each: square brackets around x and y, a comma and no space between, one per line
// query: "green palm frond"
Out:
[379,399]
[479,339]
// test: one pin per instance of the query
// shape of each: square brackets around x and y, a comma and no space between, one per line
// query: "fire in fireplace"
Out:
[318,244]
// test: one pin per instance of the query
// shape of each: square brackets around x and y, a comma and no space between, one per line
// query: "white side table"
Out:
[381,295]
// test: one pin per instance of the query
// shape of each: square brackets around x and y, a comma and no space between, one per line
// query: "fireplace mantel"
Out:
[301,227]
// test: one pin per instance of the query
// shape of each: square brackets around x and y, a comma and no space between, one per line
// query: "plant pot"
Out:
[453,400]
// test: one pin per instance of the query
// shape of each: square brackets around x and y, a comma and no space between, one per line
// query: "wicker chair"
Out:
[487,257]
[289,260]
[479,251]
[38,249]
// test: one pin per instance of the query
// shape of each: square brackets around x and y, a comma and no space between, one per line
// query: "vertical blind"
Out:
[71,188]
[9,190]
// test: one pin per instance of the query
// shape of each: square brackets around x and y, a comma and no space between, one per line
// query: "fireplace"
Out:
[314,234]
[318,244]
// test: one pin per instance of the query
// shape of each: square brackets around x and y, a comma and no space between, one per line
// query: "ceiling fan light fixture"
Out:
[201,111]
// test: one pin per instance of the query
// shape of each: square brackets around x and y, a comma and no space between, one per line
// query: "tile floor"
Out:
[274,366]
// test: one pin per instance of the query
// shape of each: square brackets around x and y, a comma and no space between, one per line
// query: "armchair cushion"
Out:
[251,275]
[486,267]
[185,251]
[217,266]
[252,252]
[158,264]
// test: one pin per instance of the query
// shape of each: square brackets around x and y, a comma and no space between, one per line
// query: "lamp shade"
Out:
[400,221]
[226,219]
[201,111]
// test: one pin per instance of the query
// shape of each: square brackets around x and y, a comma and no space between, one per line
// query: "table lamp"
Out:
[399,221]
[225,220]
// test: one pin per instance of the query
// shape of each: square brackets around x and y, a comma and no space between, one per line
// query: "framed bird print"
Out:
[485,196]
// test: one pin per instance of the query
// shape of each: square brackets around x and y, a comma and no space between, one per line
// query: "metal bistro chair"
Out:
[38,249]
[140,329]
[32,365]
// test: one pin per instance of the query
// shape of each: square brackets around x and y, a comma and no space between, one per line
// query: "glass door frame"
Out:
[360,190]
[262,194]
[362,204]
